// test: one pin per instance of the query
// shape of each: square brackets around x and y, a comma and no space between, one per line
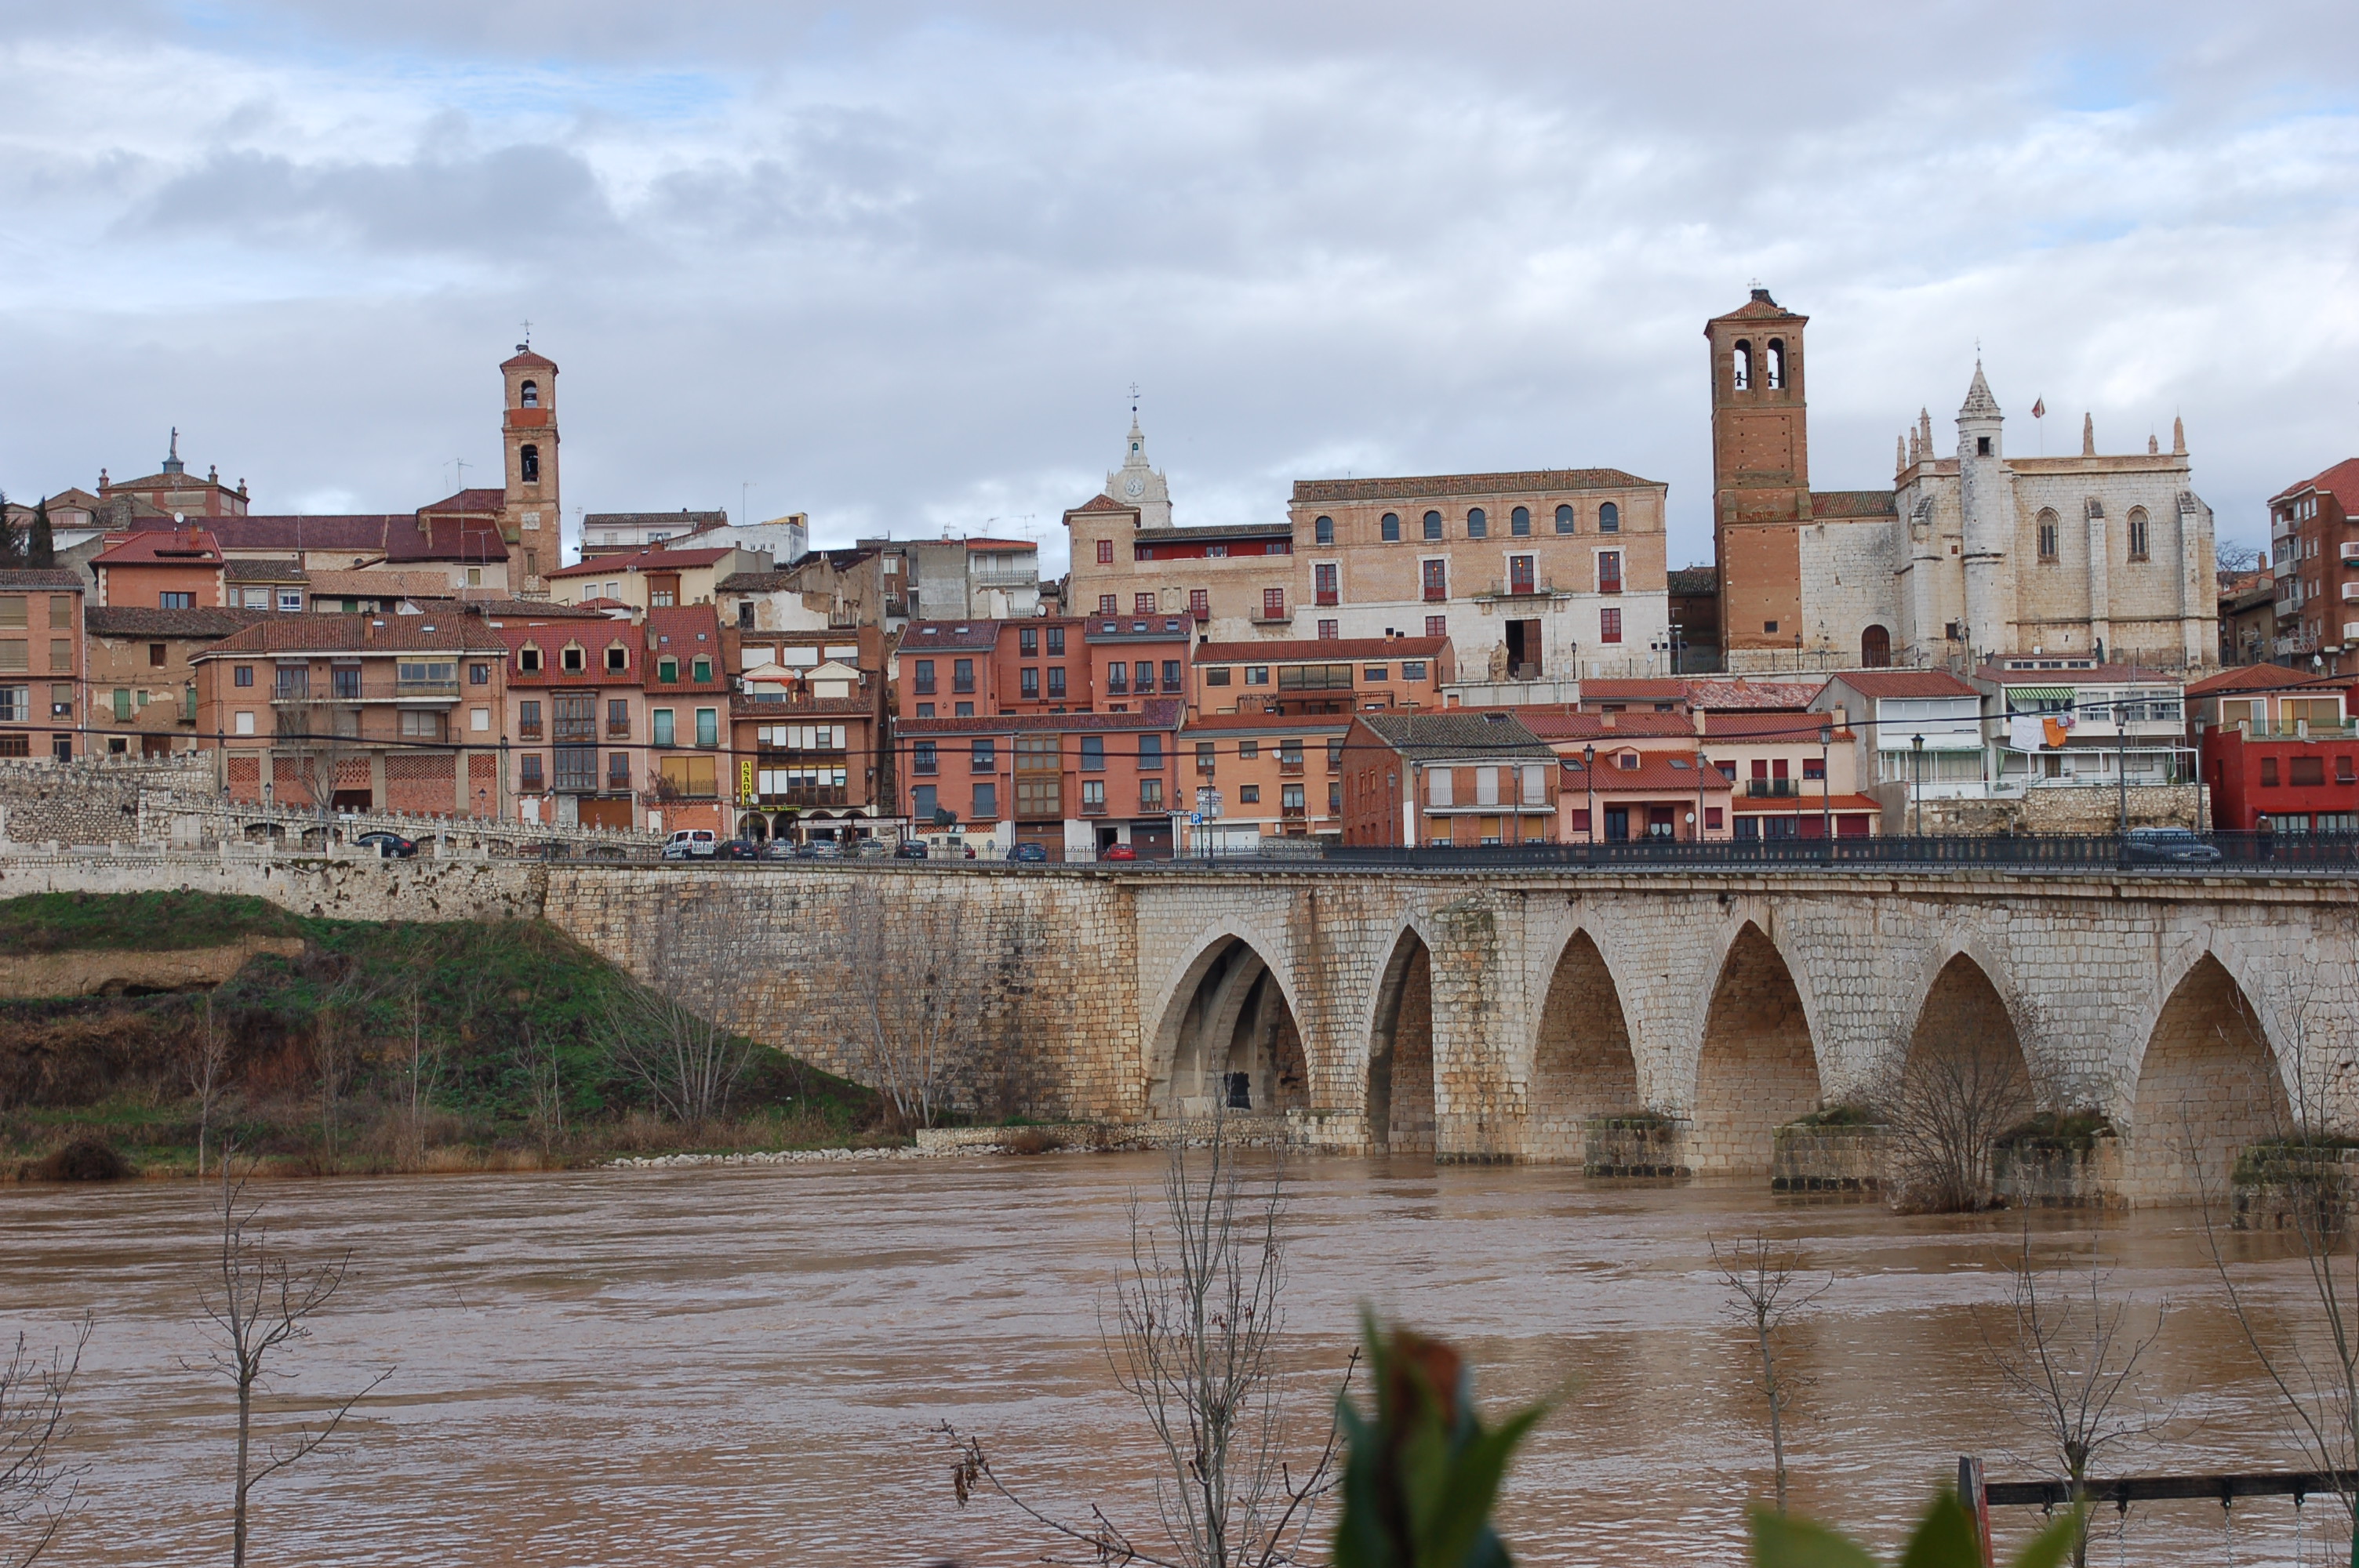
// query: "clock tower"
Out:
[1135,484]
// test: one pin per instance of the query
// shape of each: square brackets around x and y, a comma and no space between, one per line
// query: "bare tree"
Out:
[1766,1294]
[422,1074]
[338,1029]
[1198,1322]
[37,1492]
[1956,1095]
[206,1067]
[925,983]
[672,1033]
[2071,1365]
[545,1088]
[260,1306]
[319,737]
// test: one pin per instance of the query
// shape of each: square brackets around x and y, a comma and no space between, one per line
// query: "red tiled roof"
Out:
[365,533]
[1801,804]
[2342,481]
[1103,503]
[1904,683]
[1311,650]
[139,621]
[2264,678]
[1761,307]
[551,641]
[446,538]
[1593,726]
[474,501]
[1640,690]
[654,560]
[1001,545]
[57,577]
[961,636]
[1852,504]
[443,634]
[1795,725]
[1655,771]
[525,359]
[1303,724]
[172,547]
[1719,695]
[1440,486]
[684,632]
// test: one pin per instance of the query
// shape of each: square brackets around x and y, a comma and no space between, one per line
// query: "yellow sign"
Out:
[745,781]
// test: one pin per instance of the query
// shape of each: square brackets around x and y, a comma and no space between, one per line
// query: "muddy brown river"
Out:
[726,1366]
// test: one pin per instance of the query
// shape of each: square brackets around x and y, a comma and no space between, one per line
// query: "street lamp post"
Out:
[1589,778]
[1697,820]
[1826,788]
[1917,743]
[2122,760]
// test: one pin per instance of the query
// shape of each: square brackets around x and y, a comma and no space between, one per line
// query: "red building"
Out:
[171,568]
[2315,551]
[1462,778]
[2278,750]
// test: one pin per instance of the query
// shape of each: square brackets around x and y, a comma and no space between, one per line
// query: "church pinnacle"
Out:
[1136,484]
[1979,403]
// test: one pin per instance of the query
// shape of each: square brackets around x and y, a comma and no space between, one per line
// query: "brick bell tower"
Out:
[1760,474]
[531,518]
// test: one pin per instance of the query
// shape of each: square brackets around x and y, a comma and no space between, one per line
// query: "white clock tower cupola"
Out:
[1137,485]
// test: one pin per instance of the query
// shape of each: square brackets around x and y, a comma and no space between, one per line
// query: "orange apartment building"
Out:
[809,721]
[1458,778]
[41,653]
[170,568]
[1342,675]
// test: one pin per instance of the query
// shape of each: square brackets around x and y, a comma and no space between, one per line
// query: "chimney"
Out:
[1606,719]
[1698,714]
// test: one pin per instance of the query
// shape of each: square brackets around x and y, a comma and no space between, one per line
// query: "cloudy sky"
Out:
[897,266]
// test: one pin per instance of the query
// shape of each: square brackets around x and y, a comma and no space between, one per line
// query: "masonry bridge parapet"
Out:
[1519,1014]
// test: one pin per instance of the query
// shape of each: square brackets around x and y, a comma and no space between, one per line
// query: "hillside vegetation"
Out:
[463,1044]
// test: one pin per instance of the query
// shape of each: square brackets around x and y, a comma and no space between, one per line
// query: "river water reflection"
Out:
[742,1366]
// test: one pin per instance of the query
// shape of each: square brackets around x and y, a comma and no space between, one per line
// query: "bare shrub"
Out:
[1198,1320]
[205,1063]
[2070,1366]
[37,1492]
[672,1034]
[260,1306]
[1956,1095]
[1765,1295]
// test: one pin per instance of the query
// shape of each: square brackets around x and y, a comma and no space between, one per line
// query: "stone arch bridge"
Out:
[1512,1014]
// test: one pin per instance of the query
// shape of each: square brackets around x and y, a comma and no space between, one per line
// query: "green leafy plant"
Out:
[1422,1477]
[1944,1537]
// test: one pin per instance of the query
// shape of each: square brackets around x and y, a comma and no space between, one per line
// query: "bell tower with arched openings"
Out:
[1760,472]
[531,518]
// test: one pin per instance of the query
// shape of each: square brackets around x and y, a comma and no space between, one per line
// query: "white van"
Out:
[697,843]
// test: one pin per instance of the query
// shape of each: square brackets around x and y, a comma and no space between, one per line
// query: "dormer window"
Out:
[667,669]
[1740,364]
[528,395]
[528,659]
[574,659]
[529,464]
[1626,760]
[701,669]
[618,658]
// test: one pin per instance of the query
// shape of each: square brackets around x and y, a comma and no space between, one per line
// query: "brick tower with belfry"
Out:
[531,518]
[1760,474]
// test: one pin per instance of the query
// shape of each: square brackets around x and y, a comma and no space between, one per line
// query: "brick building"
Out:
[2280,750]
[41,653]
[142,676]
[810,728]
[1341,676]
[1272,777]
[172,568]
[397,712]
[2316,554]
[1447,778]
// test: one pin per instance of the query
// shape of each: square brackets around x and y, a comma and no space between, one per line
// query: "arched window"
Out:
[1433,524]
[1564,519]
[1324,529]
[1609,519]
[528,395]
[529,465]
[1741,365]
[1477,524]
[1390,527]
[1875,649]
[2138,533]
[1520,522]
[2047,533]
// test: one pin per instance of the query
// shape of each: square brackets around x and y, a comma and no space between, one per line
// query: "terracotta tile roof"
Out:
[529,610]
[1773,726]
[450,538]
[1311,650]
[441,633]
[683,517]
[1904,683]
[289,570]
[2265,677]
[180,546]
[1439,737]
[1161,713]
[472,502]
[1638,690]
[959,636]
[1852,504]
[551,642]
[525,359]
[1436,487]
[1559,726]
[1273,724]
[658,560]
[685,631]
[1723,696]
[1102,503]
[1761,307]
[2342,481]
[1655,771]
[1801,804]
[1001,545]
[137,621]
[1692,581]
[364,534]
[379,585]
[41,577]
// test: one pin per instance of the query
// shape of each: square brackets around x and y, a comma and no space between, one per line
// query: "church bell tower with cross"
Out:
[1137,485]
[531,516]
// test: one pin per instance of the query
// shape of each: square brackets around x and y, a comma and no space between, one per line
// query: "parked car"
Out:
[1117,852]
[388,846]
[910,850]
[1028,852]
[2168,846]
[738,849]
[692,843]
[872,849]
[826,849]
[778,850]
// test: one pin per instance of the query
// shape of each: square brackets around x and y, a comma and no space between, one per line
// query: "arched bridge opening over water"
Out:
[1637,1020]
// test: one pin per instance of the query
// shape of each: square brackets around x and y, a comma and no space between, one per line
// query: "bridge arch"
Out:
[1400,1093]
[1757,1068]
[1582,1064]
[2209,1082]
[1228,1032]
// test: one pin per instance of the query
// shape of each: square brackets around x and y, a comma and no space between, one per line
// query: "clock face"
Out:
[1134,487]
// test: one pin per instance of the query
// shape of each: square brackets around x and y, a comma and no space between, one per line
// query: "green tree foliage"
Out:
[1944,1539]
[42,547]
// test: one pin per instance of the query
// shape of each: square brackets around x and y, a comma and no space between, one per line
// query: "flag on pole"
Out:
[2040,408]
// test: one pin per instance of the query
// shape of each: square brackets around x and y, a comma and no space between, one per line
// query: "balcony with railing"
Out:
[446,690]
[1268,614]
[1522,588]
[807,795]
[1773,789]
